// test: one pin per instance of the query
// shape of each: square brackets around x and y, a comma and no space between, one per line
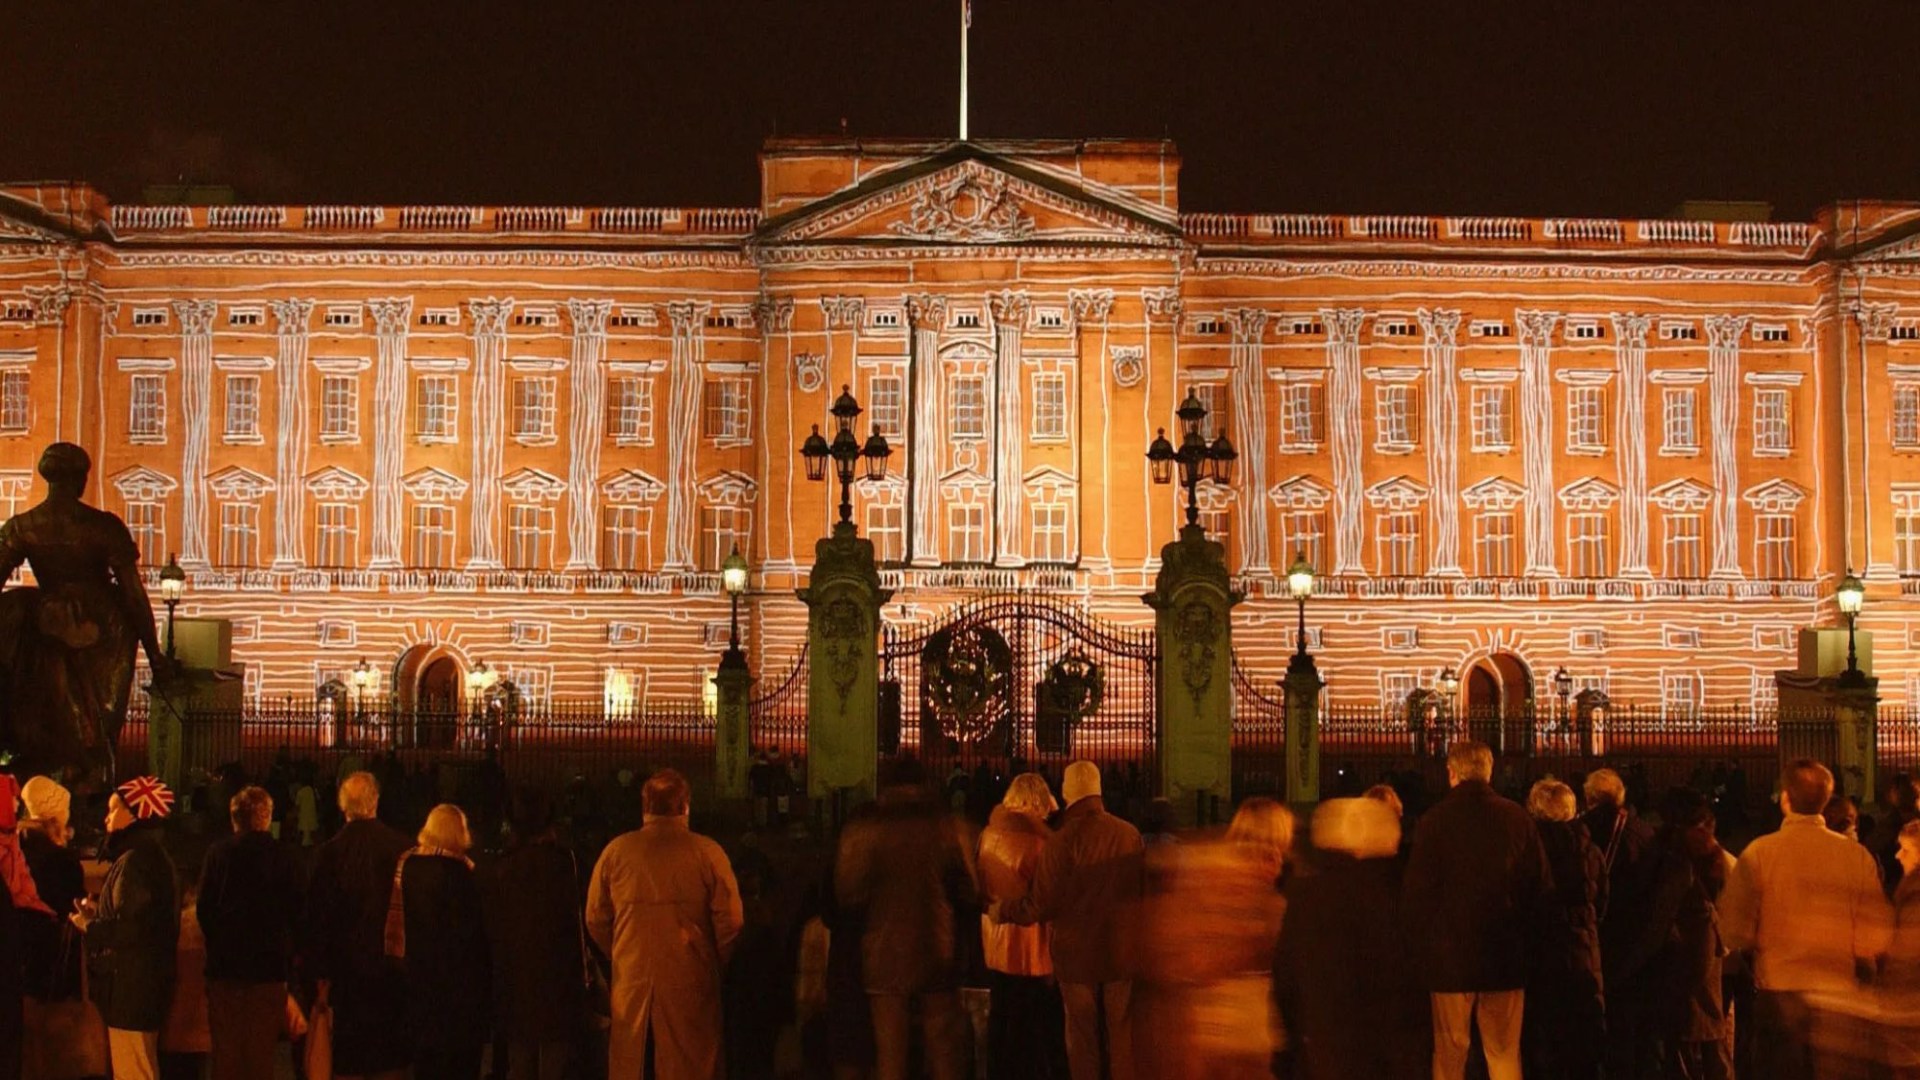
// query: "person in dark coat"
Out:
[1903,806]
[436,929]
[1658,959]
[1475,886]
[1349,1000]
[538,943]
[348,896]
[1700,1035]
[1565,1026]
[133,929]
[56,1013]
[1625,844]
[249,894]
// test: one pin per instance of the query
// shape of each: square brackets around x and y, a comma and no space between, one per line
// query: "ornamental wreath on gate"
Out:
[965,673]
[1070,692]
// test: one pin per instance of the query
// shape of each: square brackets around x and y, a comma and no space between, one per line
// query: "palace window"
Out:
[726,411]
[968,407]
[239,533]
[1589,551]
[1397,542]
[533,409]
[1300,416]
[432,536]
[1393,417]
[626,537]
[1216,519]
[147,409]
[1681,427]
[1051,519]
[336,534]
[1680,695]
[630,411]
[529,536]
[886,526]
[1396,686]
[1493,543]
[886,405]
[16,403]
[1492,418]
[1772,422]
[148,523]
[1049,406]
[1682,546]
[1906,541]
[1305,533]
[534,683]
[436,408]
[1586,419]
[340,407]
[723,528]
[1774,547]
[243,407]
[1906,416]
[967,532]
[1211,396]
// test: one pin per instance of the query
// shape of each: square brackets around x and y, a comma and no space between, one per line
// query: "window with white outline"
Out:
[630,411]
[1680,694]
[1586,419]
[967,407]
[723,528]
[1304,532]
[886,525]
[887,405]
[16,402]
[1397,542]
[535,683]
[1775,547]
[436,408]
[1049,406]
[529,536]
[147,521]
[1216,519]
[1589,545]
[726,411]
[239,533]
[626,537]
[1906,416]
[1393,417]
[1300,410]
[1493,543]
[1681,545]
[1051,539]
[432,536]
[14,490]
[147,409]
[1680,427]
[967,531]
[1213,396]
[1906,542]
[243,406]
[1395,686]
[1764,690]
[533,409]
[1492,418]
[336,533]
[1772,421]
[340,407]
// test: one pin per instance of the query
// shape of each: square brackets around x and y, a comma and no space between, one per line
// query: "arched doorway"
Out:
[1498,685]
[438,690]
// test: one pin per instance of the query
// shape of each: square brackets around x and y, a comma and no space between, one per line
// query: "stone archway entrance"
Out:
[1498,685]
[428,678]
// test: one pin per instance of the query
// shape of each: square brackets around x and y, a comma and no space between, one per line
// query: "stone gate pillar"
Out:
[843,598]
[733,690]
[1822,687]
[1193,602]
[1302,686]
[186,719]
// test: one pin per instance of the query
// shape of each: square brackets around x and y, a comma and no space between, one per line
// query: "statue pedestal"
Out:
[1193,600]
[843,598]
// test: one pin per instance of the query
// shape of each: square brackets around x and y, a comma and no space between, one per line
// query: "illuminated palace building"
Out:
[1641,450]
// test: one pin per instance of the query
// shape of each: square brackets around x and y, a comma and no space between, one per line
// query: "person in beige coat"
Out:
[664,907]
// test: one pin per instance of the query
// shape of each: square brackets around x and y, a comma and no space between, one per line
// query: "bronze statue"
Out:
[66,644]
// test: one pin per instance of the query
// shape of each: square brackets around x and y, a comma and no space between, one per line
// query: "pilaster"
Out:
[196,396]
[1723,381]
[689,321]
[1344,435]
[926,427]
[1008,438]
[586,430]
[489,414]
[1536,437]
[1630,442]
[392,318]
[1249,375]
[1441,329]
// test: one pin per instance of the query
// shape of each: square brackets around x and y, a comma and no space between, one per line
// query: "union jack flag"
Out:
[146,796]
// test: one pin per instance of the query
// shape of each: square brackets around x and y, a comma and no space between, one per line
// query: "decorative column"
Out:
[1723,383]
[489,412]
[391,318]
[1630,447]
[926,426]
[1093,306]
[50,304]
[774,317]
[1536,436]
[1441,329]
[1193,604]
[586,430]
[1162,306]
[1249,376]
[196,396]
[1343,433]
[1008,435]
[1874,322]
[689,319]
[843,598]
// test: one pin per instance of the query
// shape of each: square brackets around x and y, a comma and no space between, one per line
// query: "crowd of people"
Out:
[1568,935]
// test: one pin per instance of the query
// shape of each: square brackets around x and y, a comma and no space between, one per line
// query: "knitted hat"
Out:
[46,800]
[146,797]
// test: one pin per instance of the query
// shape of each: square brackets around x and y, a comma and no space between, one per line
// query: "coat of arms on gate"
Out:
[1071,690]
[965,673]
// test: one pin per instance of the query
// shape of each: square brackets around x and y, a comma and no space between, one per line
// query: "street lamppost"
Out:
[1449,686]
[1300,585]
[1851,596]
[1199,461]
[1563,687]
[846,453]
[479,681]
[733,578]
[362,678]
[173,585]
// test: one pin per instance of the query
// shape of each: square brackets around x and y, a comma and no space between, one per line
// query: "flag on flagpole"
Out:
[966,12]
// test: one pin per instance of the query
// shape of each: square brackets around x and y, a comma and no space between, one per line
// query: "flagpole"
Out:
[966,20]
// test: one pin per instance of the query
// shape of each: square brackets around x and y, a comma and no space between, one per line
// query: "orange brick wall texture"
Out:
[1641,450]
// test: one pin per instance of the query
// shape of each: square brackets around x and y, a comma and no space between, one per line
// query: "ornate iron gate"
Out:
[1020,682]
[777,712]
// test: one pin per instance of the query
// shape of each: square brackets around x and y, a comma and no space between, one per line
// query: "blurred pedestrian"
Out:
[64,1037]
[1026,1034]
[249,894]
[1699,1031]
[133,929]
[538,943]
[348,898]
[1898,986]
[436,929]
[1564,1029]
[20,905]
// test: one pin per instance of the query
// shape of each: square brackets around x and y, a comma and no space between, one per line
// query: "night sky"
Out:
[1421,106]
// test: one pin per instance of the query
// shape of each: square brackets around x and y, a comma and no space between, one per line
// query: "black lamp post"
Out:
[1300,584]
[846,453]
[733,578]
[1199,462]
[1563,686]
[173,585]
[1851,596]
[1449,687]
